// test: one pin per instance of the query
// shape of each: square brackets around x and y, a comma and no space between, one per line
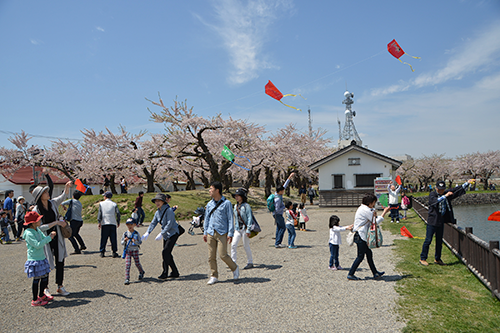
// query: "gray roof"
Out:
[354,146]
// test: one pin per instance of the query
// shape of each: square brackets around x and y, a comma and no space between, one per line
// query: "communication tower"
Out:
[349,133]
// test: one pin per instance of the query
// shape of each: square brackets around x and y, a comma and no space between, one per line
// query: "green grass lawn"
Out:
[440,298]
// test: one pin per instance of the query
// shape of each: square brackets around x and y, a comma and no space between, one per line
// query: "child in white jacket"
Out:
[335,241]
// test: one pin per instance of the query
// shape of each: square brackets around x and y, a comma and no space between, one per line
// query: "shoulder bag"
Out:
[374,236]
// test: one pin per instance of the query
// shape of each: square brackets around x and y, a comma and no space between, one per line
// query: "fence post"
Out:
[493,278]
[468,230]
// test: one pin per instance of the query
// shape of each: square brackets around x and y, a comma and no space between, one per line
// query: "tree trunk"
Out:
[256,182]
[150,179]
[269,181]
[205,180]
[190,185]
[112,183]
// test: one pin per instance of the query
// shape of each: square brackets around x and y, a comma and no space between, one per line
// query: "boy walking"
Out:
[131,241]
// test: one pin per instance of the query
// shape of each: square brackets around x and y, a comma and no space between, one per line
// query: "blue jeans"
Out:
[431,230]
[291,234]
[394,212]
[334,255]
[141,214]
[280,228]
[6,232]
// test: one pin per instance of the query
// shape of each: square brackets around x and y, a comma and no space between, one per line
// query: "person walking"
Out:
[131,239]
[290,220]
[219,231]
[440,212]
[242,223]
[138,208]
[362,221]
[279,208]
[55,251]
[169,233]
[74,216]
[311,193]
[108,219]
[8,206]
[19,217]
[37,266]
[303,194]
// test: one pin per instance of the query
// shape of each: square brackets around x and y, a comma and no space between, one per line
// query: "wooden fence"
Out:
[482,258]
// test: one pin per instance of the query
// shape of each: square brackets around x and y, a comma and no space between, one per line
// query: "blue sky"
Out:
[69,65]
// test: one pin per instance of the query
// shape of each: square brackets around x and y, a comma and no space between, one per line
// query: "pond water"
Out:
[476,216]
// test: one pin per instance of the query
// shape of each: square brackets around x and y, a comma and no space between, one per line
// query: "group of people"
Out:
[224,226]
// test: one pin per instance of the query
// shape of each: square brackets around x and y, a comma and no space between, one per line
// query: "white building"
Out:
[346,175]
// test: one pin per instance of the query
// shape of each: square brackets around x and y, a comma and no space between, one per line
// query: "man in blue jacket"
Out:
[219,231]
[440,212]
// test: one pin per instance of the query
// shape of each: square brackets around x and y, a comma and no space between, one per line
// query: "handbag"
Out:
[374,236]
[255,227]
[66,231]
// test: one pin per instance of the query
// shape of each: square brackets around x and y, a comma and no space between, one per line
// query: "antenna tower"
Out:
[349,133]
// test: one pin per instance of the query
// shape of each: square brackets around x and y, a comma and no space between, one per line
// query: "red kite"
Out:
[79,186]
[495,216]
[272,91]
[398,180]
[405,232]
[396,50]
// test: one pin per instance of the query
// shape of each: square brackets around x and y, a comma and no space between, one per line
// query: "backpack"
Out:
[270,203]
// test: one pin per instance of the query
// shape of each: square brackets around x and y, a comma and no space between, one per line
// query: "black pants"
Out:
[108,231]
[168,259]
[14,230]
[59,264]
[75,235]
[362,250]
[20,228]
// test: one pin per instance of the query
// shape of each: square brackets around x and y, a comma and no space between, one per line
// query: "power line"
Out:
[41,136]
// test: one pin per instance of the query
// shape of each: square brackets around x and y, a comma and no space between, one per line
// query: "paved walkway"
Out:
[288,291]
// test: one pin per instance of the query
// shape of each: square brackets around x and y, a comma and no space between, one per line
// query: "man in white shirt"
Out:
[108,219]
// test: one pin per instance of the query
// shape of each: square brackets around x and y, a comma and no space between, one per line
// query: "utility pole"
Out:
[310,122]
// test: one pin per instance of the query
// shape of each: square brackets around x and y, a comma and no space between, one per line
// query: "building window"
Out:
[338,181]
[354,161]
[366,180]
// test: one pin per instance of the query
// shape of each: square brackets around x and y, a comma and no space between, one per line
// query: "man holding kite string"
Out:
[440,212]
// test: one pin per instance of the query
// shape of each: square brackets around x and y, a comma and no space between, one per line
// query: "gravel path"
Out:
[289,290]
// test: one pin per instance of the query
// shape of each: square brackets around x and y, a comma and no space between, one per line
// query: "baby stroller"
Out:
[197,221]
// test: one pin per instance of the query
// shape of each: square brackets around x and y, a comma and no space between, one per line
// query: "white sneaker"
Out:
[61,291]
[47,292]
[236,273]
[212,280]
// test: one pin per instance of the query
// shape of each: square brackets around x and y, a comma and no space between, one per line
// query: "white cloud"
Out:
[100,29]
[36,41]
[476,54]
[243,28]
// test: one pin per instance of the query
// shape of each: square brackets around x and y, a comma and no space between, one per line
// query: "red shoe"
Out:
[47,298]
[38,302]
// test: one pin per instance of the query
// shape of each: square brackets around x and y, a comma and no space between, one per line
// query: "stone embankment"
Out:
[470,199]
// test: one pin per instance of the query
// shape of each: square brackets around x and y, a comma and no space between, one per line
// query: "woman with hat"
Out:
[169,232]
[49,209]
[37,266]
[242,224]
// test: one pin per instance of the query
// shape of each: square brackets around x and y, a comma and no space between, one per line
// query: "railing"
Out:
[482,258]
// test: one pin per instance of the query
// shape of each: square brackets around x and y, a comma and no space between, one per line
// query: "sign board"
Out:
[380,185]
